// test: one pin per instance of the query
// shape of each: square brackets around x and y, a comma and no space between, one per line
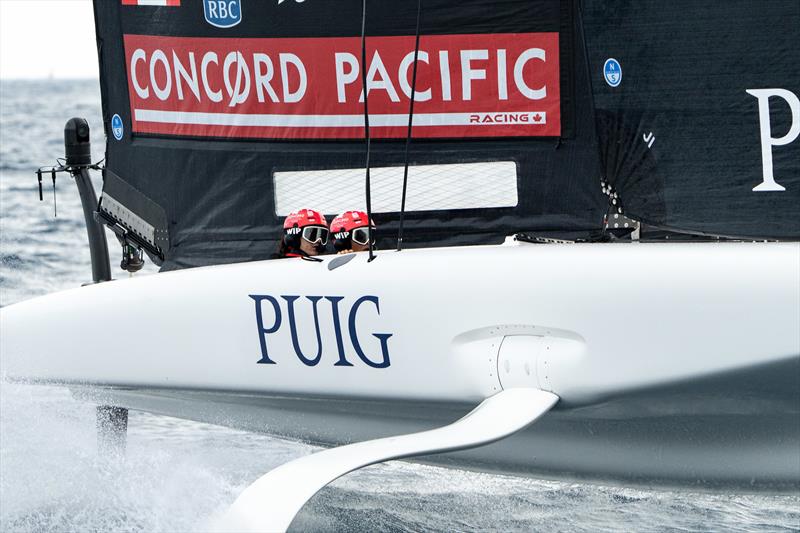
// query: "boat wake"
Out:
[178,475]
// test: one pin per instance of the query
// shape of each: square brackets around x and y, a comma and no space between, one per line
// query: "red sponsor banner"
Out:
[481,85]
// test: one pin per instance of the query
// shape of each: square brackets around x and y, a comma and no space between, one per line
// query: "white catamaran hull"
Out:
[674,363]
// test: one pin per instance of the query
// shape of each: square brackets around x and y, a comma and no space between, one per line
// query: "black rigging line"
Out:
[366,121]
[408,134]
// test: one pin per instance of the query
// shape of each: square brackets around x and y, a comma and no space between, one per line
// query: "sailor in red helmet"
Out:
[351,232]
[305,234]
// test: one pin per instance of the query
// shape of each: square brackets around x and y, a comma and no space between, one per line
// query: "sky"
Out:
[47,38]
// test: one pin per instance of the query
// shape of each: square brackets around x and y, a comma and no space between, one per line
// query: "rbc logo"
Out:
[612,71]
[223,13]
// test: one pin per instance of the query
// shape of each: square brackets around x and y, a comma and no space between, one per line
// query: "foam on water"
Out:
[177,474]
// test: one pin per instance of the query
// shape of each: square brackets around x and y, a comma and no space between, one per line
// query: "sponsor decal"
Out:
[649,139]
[767,140]
[508,118]
[486,85]
[612,72]
[151,2]
[223,13]
[117,129]
[274,316]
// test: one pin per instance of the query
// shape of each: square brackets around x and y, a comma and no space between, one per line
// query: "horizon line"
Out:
[51,78]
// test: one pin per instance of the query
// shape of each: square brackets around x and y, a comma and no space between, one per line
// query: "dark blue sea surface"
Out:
[177,474]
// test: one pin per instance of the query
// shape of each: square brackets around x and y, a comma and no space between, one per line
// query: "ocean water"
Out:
[178,474]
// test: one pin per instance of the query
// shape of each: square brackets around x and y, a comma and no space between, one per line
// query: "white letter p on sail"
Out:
[767,141]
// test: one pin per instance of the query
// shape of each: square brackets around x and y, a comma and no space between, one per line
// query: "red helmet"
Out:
[345,229]
[304,217]
[308,224]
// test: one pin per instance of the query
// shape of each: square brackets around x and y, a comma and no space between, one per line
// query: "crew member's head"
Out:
[305,231]
[351,231]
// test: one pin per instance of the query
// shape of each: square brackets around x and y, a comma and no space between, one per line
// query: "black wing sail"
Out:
[680,131]
[215,126]
[228,114]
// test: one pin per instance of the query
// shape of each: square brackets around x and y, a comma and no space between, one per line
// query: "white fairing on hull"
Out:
[438,325]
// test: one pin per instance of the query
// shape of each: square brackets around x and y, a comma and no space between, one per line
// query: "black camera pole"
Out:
[112,421]
[78,150]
